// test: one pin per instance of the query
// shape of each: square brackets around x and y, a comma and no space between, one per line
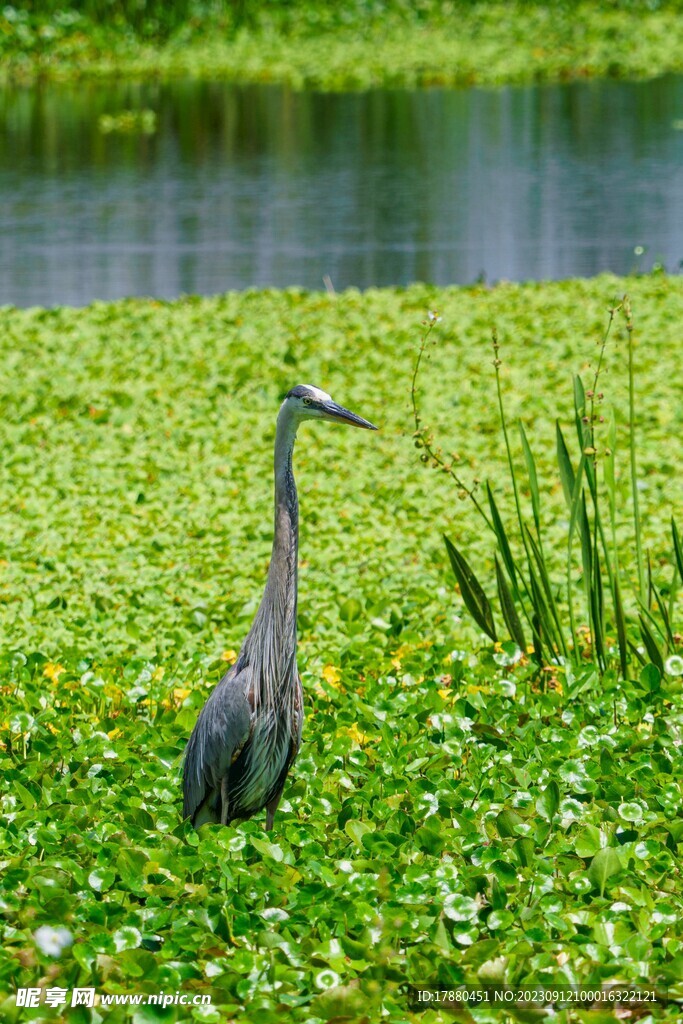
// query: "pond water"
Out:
[255,186]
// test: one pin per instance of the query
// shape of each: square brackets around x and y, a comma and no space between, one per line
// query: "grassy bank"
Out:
[354,47]
[449,819]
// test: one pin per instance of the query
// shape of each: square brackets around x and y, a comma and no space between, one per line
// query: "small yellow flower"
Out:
[356,735]
[332,675]
[114,734]
[53,670]
[230,656]
[175,698]
[158,674]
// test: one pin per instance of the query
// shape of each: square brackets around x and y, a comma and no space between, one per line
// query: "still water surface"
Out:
[257,186]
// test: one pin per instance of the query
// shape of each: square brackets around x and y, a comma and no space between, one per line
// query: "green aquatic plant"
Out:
[128,122]
[540,613]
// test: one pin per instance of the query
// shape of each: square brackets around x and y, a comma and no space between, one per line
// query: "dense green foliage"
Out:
[351,45]
[451,816]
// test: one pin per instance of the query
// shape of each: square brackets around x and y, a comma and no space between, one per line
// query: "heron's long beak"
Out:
[340,414]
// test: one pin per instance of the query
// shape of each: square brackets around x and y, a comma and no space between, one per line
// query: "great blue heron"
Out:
[249,731]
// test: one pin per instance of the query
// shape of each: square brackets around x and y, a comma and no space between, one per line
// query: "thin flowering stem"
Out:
[497,361]
[423,439]
[592,396]
[593,393]
[626,305]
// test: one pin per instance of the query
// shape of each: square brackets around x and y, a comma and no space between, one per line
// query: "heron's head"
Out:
[308,403]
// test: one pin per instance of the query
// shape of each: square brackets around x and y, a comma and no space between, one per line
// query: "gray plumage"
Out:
[249,731]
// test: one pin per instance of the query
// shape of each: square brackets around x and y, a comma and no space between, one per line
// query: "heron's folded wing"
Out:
[221,730]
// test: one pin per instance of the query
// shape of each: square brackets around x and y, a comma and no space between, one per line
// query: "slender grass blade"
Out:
[650,585]
[664,612]
[608,469]
[473,595]
[533,479]
[509,610]
[541,614]
[639,654]
[678,549]
[502,538]
[586,544]
[620,619]
[651,645]
[597,610]
[554,620]
[564,462]
[579,409]
[538,642]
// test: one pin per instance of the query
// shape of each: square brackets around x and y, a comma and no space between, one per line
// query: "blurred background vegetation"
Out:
[158,19]
[329,45]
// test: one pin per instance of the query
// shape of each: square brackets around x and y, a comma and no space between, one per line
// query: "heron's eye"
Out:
[307,401]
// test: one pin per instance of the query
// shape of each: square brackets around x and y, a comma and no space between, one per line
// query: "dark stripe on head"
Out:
[300,391]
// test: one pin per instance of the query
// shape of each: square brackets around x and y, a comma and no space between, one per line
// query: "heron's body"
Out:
[249,731]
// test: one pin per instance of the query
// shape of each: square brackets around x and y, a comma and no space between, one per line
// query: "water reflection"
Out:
[259,186]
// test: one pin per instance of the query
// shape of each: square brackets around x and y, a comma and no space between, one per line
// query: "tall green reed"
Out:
[585,613]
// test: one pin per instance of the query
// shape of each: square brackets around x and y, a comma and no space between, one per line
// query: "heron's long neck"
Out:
[282,574]
[274,628]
